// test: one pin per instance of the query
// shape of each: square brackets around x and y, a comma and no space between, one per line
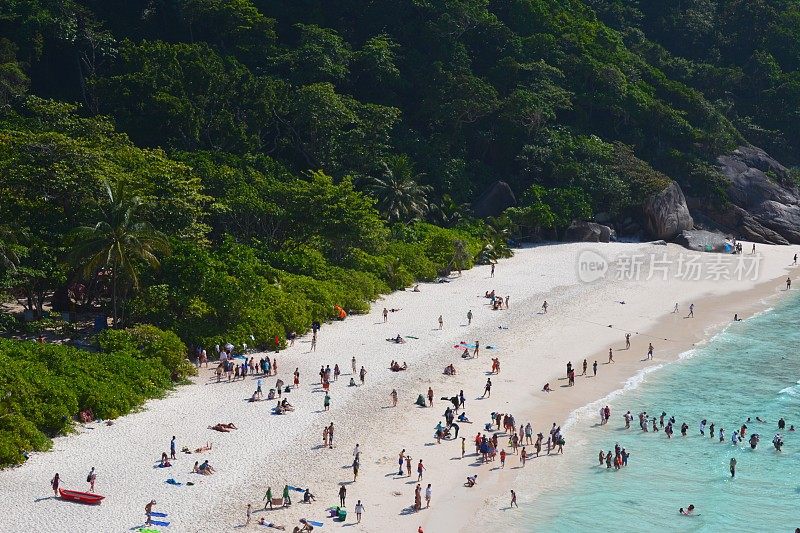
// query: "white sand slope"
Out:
[271,450]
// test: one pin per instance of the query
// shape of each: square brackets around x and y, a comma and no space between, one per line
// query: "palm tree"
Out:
[119,243]
[460,255]
[400,197]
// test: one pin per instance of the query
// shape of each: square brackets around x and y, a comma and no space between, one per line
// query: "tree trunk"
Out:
[114,297]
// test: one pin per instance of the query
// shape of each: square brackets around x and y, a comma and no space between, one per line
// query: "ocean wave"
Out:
[591,409]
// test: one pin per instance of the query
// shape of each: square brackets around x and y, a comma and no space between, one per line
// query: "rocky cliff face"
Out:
[765,205]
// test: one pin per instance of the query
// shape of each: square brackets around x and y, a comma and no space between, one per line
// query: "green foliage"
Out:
[45,385]
[149,342]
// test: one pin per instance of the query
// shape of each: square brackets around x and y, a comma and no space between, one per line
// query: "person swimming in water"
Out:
[688,512]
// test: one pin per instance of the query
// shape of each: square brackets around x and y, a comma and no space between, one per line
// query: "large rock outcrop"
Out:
[704,241]
[765,204]
[495,200]
[580,231]
[667,214]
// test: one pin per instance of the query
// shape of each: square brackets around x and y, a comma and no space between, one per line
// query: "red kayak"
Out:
[81,497]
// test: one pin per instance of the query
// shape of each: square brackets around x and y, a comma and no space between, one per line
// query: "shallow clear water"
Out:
[751,369]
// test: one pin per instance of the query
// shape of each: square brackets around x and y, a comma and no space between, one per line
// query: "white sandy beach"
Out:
[583,320]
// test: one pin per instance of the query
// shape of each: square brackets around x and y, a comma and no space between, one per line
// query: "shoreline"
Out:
[703,330]
[272,450]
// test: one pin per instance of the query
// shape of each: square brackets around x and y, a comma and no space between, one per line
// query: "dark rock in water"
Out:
[765,204]
[495,200]
[704,241]
[580,231]
[667,214]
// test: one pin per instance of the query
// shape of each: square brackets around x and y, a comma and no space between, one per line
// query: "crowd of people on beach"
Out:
[501,435]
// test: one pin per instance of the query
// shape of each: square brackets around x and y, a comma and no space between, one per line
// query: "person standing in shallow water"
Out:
[733,467]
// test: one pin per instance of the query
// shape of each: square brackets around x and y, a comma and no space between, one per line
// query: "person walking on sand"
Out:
[400,461]
[441,322]
[585,366]
[789,282]
[56,481]
[148,511]
[249,512]
[353,365]
[428,495]
[795,259]
[330,436]
[408,465]
[172,446]
[544,307]
[463,447]
[491,275]
[385,315]
[610,356]
[650,351]
[691,311]
[477,349]
[268,497]
[359,511]
[513,499]
[342,495]
[430,397]
[326,402]
[733,467]
[594,368]
[91,479]
[314,341]
[362,374]
[627,341]
[487,390]
[420,469]
[469,317]
[393,396]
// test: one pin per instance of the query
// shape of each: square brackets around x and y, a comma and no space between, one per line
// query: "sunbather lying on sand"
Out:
[224,428]
[202,449]
[262,522]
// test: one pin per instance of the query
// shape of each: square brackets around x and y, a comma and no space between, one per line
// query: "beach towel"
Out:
[315,523]
[159,523]
[173,482]
[159,515]
[297,489]
[411,337]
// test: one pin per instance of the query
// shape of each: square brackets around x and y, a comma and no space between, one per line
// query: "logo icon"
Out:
[591,266]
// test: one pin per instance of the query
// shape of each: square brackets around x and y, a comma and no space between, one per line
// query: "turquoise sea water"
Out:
[751,369]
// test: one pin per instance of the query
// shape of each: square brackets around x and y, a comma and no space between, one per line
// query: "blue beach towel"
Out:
[160,515]
[159,523]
